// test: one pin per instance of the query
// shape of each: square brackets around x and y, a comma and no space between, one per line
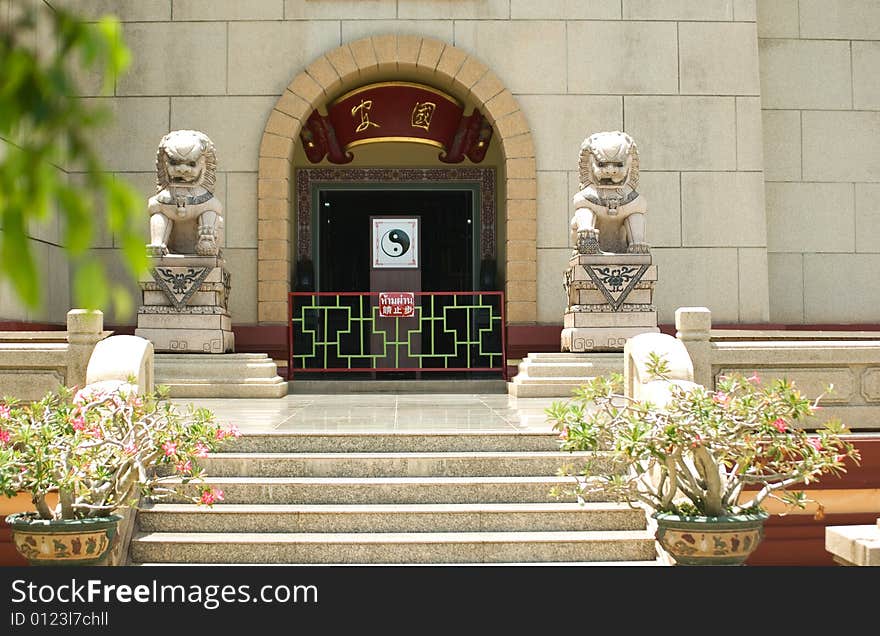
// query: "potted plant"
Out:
[705,461]
[83,455]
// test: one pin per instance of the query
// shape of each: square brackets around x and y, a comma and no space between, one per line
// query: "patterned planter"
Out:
[710,540]
[62,541]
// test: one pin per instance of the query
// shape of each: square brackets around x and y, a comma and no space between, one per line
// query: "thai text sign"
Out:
[397,304]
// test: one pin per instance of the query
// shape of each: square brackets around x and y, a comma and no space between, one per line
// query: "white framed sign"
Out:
[395,242]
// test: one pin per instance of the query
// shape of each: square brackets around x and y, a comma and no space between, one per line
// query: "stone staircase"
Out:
[558,374]
[339,498]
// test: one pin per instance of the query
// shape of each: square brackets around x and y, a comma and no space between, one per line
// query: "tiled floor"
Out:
[381,412]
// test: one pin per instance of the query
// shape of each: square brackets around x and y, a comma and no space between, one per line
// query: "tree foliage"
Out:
[49,163]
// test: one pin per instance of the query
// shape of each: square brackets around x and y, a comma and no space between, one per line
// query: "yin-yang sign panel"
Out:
[396,242]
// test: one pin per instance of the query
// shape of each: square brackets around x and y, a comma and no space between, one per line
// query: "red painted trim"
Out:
[289,337]
[270,339]
[381,369]
[16,325]
[799,540]
[865,474]
[432,293]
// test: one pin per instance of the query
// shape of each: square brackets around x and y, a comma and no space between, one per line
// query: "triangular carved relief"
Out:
[615,281]
[179,283]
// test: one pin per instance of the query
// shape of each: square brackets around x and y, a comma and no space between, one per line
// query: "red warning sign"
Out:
[397,304]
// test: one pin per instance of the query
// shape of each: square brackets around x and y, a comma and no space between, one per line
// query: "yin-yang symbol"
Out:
[395,243]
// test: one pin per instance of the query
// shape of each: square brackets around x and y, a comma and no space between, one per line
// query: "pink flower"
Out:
[170,448]
[4,437]
[564,433]
[211,496]
[201,450]
[698,441]
[232,431]
[779,424]
[721,398]
[78,422]
[130,448]
[754,378]
[815,442]
[184,467]
[4,412]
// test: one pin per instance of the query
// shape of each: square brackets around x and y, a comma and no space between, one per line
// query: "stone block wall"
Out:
[707,105]
[820,101]
[44,237]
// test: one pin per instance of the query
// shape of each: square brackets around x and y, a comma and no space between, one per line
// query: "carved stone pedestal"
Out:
[185,306]
[610,299]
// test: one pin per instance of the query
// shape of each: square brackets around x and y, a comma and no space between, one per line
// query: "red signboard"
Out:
[397,304]
[396,111]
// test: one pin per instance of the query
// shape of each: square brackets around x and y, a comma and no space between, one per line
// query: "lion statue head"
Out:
[609,160]
[186,158]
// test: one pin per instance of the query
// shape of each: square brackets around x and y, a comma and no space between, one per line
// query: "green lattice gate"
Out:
[344,332]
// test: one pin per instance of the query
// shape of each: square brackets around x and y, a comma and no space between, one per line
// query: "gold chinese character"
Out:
[422,113]
[364,110]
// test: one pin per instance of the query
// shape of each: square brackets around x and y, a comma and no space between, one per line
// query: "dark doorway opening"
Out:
[448,223]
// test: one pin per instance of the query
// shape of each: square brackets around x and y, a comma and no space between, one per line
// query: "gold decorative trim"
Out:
[374,140]
[423,87]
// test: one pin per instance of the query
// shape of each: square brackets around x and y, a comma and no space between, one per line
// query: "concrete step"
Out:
[543,388]
[536,370]
[608,358]
[410,442]
[191,367]
[226,375]
[393,547]
[561,380]
[480,464]
[376,490]
[301,518]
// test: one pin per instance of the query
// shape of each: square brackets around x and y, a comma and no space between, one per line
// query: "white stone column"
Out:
[84,329]
[692,326]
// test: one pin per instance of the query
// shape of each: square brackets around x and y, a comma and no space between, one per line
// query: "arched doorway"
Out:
[407,58]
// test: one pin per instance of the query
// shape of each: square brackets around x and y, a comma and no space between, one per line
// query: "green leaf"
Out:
[90,285]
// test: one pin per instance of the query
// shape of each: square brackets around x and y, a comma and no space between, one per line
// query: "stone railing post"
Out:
[692,326]
[84,329]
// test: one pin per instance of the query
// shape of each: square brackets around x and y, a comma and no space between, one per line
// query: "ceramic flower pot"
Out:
[710,540]
[62,541]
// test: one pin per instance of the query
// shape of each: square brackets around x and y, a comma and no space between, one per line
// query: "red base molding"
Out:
[800,539]
[271,339]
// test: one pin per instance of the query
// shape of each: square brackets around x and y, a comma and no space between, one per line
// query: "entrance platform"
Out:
[392,411]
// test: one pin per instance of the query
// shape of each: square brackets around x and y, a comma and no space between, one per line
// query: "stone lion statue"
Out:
[609,213]
[185,216]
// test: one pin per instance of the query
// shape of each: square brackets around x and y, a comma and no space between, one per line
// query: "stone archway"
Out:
[423,59]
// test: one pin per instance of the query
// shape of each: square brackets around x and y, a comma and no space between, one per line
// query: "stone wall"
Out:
[820,100]
[686,78]
[44,238]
